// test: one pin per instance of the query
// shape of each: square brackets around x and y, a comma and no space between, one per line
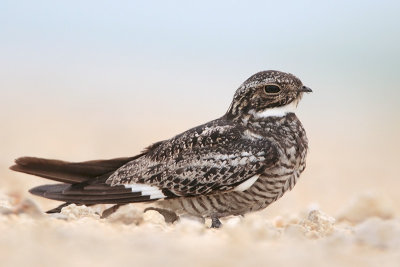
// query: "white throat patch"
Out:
[276,112]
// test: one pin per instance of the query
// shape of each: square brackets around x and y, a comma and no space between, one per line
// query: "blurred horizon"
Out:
[95,79]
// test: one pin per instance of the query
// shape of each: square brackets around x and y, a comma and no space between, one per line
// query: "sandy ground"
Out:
[344,211]
[367,232]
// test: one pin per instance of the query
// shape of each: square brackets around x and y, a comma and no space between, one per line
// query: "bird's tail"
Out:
[82,182]
[67,172]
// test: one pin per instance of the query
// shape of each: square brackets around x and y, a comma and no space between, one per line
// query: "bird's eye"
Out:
[272,89]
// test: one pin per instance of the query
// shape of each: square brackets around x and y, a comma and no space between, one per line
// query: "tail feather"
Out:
[48,188]
[68,172]
[81,182]
[109,195]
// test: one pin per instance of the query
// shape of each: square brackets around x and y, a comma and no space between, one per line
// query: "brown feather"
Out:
[107,195]
[68,172]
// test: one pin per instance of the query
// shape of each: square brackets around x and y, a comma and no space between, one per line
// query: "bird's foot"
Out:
[169,216]
[111,210]
[215,222]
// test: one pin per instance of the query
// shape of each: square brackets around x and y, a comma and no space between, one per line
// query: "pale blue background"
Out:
[98,79]
[347,51]
[180,60]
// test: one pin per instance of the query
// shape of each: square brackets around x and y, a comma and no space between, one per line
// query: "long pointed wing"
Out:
[214,157]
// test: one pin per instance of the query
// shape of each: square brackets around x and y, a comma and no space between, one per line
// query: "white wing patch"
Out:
[146,190]
[246,184]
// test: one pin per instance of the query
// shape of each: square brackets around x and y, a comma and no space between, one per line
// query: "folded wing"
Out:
[211,158]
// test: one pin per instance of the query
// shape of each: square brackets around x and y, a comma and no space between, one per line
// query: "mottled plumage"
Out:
[238,163]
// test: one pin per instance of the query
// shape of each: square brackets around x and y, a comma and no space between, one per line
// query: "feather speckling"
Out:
[238,163]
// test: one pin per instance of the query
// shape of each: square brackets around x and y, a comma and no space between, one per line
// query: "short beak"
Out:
[305,89]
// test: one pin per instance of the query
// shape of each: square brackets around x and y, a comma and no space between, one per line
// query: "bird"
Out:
[233,165]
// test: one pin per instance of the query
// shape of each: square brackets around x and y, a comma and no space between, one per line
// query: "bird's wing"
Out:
[214,157]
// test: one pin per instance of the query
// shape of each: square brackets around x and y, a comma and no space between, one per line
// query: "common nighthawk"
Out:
[238,163]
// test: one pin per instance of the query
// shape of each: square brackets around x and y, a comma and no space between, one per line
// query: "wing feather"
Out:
[210,158]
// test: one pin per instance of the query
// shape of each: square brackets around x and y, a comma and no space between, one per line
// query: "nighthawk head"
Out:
[267,93]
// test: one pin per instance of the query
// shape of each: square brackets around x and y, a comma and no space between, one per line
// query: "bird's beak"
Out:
[305,89]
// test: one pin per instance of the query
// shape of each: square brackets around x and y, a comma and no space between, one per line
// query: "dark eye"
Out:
[272,89]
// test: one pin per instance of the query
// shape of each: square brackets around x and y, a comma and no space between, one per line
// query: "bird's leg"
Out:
[169,216]
[111,210]
[215,222]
